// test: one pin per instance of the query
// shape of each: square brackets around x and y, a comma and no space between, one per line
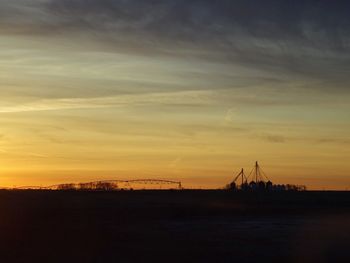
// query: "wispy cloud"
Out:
[274,138]
[180,98]
[305,38]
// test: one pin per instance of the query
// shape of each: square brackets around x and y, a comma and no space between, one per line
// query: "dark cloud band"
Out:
[302,37]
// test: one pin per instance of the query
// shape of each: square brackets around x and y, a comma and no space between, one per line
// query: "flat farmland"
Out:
[174,226]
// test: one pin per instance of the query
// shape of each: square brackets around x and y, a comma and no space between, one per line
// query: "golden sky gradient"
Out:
[86,98]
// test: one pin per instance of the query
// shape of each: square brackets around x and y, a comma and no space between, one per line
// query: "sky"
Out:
[188,90]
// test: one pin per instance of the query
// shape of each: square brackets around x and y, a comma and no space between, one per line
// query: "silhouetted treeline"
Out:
[95,186]
[264,186]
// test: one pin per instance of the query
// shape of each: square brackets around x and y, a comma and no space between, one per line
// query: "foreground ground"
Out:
[174,226]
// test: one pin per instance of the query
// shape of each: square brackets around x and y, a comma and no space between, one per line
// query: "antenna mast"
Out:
[242,176]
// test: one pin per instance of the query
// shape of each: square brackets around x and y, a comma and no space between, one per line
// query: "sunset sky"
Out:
[188,90]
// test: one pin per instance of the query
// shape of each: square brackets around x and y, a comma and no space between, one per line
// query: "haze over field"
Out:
[187,90]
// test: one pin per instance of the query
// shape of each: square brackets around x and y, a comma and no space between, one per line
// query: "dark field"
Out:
[174,226]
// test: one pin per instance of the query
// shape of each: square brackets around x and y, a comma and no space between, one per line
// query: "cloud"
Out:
[274,138]
[230,115]
[305,39]
[195,20]
[272,26]
[180,98]
[343,141]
